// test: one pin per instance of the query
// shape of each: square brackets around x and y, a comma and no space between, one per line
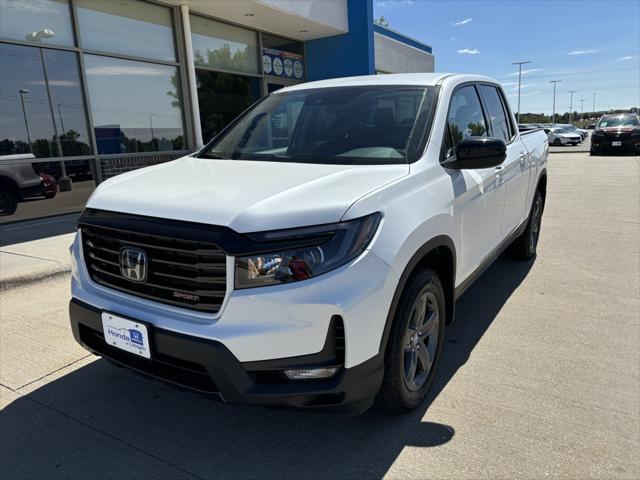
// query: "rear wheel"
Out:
[8,201]
[557,142]
[525,246]
[415,344]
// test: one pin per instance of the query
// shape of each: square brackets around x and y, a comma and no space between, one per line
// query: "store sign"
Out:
[282,64]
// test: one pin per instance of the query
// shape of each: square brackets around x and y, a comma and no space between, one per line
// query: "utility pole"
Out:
[23,92]
[571,105]
[581,107]
[519,83]
[553,118]
[594,103]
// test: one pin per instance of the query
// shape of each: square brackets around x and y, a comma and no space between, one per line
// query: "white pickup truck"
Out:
[310,255]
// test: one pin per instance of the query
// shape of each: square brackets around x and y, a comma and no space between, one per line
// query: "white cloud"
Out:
[469,51]
[56,83]
[582,52]
[452,39]
[524,85]
[509,84]
[525,72]
[461,22]
[622,59]
[384,3]
[125,70]
[530,94]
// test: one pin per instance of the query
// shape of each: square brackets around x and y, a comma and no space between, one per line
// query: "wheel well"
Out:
[438,254]
[542,187]
[8,183]
[440,259]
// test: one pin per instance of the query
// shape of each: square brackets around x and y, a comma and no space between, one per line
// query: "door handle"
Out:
[499,167]
[523,159]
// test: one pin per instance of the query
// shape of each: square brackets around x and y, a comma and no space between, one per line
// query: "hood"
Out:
[247,196]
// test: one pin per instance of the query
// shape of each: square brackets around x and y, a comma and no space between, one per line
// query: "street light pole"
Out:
[571,105]
[519,83]
[61,121]
[581,107]
[23,92]
[594,103]
[553,118]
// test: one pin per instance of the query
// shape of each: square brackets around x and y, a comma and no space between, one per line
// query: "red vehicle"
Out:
[49,185]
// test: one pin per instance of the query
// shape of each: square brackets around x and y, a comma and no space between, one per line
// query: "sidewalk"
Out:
[36,260]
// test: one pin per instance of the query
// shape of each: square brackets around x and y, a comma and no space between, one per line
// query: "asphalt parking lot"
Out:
[540,376]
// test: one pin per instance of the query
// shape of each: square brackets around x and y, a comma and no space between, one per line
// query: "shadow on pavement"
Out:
[28,230]
[103,421]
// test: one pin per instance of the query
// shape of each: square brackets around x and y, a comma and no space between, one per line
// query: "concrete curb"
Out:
[34,276]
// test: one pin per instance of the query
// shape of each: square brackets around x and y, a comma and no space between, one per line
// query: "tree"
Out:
[381,21]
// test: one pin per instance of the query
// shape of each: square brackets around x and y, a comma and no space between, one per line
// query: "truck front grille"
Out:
[184,273]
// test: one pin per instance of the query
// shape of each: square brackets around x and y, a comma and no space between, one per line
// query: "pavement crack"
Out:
[54,371]
[30,256]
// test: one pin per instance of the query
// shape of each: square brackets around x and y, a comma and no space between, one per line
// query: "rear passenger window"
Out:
[496,113]
[465,117]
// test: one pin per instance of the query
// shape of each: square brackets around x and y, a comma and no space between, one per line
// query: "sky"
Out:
[590,45]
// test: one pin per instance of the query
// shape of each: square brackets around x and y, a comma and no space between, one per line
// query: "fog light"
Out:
[310,373]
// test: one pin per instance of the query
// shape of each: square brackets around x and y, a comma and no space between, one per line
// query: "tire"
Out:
[8,201]
[525,246]
[411,360]
[50,195]
[593,152]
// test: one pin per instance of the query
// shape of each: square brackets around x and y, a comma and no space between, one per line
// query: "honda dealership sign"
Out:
[282,64]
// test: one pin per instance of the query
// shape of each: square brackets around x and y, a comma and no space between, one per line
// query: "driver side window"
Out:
[464,119]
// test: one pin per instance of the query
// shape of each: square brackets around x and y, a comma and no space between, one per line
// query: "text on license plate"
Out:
[616,144]
[125,334]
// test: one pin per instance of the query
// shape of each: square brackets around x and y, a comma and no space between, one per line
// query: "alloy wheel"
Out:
[421,340]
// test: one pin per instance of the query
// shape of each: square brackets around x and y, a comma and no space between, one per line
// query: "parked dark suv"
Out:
[619,133]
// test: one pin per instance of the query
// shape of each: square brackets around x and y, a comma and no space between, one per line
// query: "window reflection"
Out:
[31,189]
[222,97]
[135,105]
[131,27]
[47,122]
[42,21]
[223,46]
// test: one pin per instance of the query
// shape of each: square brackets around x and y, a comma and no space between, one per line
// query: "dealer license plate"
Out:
[127,335]
[616,144]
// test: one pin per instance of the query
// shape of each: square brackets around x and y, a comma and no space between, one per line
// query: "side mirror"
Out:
[478,152]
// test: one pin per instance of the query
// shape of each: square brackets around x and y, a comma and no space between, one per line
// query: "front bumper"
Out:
[627,144]
[208,367]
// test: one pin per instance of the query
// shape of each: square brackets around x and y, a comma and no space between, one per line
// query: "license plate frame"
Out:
[126,334]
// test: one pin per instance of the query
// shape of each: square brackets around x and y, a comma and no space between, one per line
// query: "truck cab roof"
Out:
[412,79]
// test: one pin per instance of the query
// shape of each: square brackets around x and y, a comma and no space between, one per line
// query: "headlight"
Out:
[313,251]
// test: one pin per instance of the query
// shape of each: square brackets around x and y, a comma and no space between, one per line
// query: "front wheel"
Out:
[415,343]
[557,142]
[525,246]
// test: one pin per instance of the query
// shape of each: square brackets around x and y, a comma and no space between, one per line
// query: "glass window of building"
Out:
[136,106]
[41,21]
[130,27]
[221,46]
[222,97]
[41,103]
[282,44]
[282,57]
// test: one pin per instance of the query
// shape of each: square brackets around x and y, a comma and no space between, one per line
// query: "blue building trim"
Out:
[344,55]
[387,32]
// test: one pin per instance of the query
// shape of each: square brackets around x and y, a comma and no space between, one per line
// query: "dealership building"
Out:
[94,88]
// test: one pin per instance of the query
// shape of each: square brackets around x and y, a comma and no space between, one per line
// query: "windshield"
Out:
[622,121]
[344,125]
